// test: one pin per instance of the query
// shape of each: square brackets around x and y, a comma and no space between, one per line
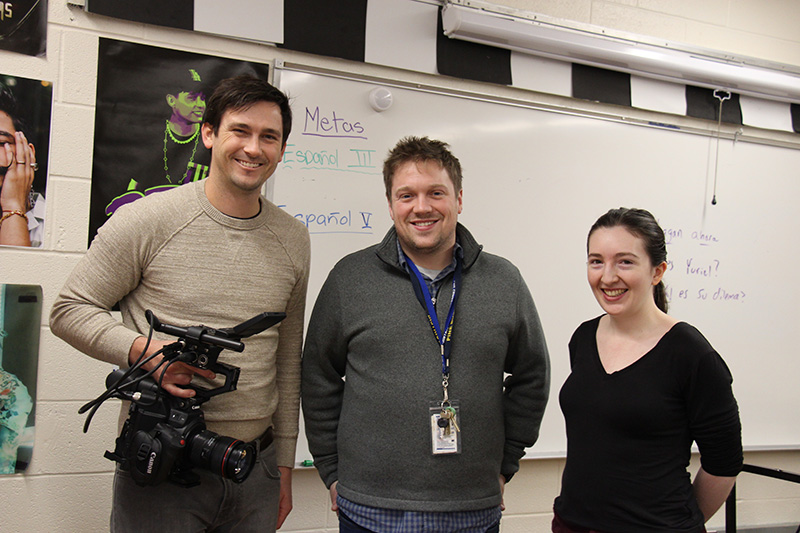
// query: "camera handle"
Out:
[198,353]
[200,346]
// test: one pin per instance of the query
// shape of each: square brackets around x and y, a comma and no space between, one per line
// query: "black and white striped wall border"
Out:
[408,34]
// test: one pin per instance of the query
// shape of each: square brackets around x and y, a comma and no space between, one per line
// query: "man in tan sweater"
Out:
[214,252]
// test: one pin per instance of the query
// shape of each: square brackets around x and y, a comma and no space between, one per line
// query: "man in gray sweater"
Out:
[212,252]
[425,369]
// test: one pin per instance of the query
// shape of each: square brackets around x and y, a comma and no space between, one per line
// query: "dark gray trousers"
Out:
[216,505]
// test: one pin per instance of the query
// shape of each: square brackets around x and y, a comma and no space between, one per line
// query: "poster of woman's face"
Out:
[25,111]
[20,325]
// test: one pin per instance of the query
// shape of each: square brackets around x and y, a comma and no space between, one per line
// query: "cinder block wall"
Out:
[67,486]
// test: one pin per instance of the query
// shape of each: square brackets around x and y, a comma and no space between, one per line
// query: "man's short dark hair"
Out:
[421,150]
[9,105]
[240,93]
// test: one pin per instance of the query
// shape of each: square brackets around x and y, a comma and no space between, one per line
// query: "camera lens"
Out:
[230,458]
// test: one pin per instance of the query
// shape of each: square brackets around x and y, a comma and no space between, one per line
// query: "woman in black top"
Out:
[643,388]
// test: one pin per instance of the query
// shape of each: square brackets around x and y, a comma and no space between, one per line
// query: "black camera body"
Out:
[165,436]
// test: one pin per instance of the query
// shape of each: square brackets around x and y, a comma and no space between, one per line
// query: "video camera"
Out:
[165,436]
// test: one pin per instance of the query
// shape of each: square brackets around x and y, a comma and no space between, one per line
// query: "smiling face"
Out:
[424,206]
[620,272]
[187,107]
[246,148]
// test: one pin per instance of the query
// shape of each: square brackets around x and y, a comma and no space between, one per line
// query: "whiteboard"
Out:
[535,181]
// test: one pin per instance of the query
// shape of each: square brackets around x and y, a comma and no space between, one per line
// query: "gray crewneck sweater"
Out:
[371,431]
[174,253]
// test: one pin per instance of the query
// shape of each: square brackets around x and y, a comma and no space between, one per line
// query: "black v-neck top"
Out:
[630,432]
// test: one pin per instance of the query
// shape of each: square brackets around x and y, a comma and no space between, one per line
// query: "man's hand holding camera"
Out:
[176,376]
[165,435]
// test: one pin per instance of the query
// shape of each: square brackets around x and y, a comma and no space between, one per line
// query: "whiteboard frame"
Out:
[569,106]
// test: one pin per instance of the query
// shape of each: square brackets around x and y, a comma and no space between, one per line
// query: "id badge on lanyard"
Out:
[444,415]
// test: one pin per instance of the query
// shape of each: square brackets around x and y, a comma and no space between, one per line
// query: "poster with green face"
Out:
[150,107]
[20,326]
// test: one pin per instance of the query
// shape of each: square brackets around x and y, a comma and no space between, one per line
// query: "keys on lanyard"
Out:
[448,418]
[444,415]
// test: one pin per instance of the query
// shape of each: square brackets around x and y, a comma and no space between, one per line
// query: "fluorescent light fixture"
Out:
[534,37]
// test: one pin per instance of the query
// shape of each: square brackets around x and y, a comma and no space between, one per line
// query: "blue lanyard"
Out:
[443,336]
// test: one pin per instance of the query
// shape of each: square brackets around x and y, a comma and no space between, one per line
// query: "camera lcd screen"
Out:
[257,324]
